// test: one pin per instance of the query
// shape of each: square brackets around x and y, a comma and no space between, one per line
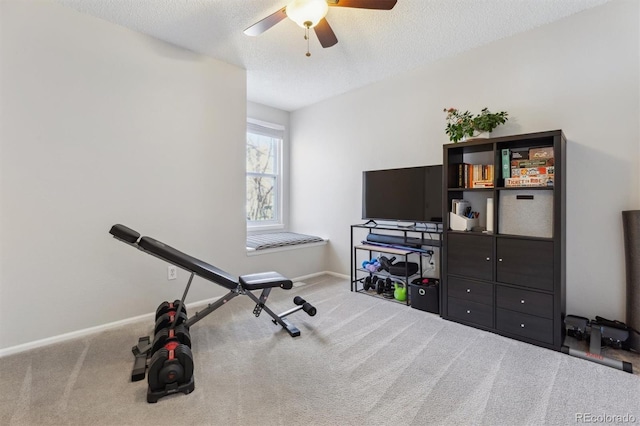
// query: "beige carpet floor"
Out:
[359,361]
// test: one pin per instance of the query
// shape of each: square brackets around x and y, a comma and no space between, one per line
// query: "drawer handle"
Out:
[522,301]
[500,260]
[468,290]
[468,311]
[488,259]
[521,325]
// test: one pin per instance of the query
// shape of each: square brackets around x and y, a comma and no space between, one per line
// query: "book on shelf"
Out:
[462,175]
[519,153]
[482,176]
[466,175]
[532,171]
[541,153]
[542,162]
[506,164]
[469,174]
[528,167]
[460,207]
[529,181]
[483,184]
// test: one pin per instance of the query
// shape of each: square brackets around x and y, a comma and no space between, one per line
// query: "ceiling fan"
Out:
[311,14]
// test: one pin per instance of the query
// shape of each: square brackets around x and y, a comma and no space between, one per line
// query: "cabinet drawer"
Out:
[527,263]
[474,291]
[524,325]
[527,302]
[465,310]
[470,255]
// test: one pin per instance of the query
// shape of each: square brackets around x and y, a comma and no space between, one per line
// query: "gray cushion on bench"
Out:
[279,239]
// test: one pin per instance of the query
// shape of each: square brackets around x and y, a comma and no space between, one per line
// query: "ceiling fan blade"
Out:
[364,4]
[325,34]
[266,23]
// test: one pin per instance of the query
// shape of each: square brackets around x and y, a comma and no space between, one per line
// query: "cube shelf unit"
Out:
[510,281]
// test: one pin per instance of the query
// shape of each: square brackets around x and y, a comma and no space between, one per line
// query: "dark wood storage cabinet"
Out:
[511,280]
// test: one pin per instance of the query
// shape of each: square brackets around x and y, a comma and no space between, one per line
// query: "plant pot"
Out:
[476,135]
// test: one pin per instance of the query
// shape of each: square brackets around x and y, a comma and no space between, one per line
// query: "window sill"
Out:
[254,252]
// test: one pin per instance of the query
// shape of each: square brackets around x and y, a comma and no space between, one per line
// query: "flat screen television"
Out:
[411,194]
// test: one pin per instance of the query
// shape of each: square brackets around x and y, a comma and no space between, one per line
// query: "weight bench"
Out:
[244,285]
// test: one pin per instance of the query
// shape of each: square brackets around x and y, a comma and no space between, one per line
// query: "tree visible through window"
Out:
[263,174]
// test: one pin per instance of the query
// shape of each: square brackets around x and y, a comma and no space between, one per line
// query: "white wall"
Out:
[580,75]
[102,125]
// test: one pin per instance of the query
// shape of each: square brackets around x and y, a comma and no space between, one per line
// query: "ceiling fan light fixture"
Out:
[307,13]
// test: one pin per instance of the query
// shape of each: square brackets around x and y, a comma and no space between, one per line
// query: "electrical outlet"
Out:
[172,272]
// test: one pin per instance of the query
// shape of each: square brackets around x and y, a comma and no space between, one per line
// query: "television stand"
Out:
[414,249]
[410,226]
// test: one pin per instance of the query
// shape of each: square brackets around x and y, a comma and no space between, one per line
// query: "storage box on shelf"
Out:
[425,296]
[512,280]
[405,255]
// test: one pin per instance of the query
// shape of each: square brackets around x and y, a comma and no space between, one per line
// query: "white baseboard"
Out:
[89,331]
[337,275]
[72,335]
[318,274]
[100,328]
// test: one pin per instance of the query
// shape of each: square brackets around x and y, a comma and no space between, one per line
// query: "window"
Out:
[264,175]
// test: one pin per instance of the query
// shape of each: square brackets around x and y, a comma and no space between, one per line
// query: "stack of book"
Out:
[532,167]
[475,175]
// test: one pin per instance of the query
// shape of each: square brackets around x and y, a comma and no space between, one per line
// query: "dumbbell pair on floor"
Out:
[171,361]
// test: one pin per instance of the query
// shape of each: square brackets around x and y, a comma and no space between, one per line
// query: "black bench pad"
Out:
[190,263]
[265,280]
[124,233]
[203,269]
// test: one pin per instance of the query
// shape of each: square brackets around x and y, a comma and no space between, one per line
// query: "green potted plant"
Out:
[463,125]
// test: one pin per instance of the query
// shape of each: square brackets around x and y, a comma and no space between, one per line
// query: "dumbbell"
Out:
[372,265]
[383,285]
[171,365]
[168,335]
[168,319]
[388,285]
[369,283]
[166,307]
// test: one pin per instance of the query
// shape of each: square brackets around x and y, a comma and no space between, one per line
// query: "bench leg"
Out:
[210,308]
[291,329]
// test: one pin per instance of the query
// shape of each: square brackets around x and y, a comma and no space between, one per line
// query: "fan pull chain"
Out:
[306,36]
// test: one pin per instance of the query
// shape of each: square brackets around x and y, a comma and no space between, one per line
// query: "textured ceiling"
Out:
[372,44]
